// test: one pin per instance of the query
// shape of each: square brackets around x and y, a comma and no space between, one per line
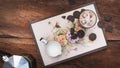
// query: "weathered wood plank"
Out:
[17,41]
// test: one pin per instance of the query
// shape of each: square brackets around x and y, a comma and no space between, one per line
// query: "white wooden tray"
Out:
[45,28]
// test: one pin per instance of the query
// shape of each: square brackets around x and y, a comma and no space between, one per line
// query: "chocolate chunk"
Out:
[92,36]
[63,17]
[82,10]
[107,18]
[101,24]
[74,36]
[70,18]
[76,14]
[72,31]
[80,33]
[71,2]
[109,29]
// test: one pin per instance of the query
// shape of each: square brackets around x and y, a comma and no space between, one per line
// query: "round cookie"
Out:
[92,36]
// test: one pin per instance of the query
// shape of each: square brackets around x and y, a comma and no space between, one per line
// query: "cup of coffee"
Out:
[87,18]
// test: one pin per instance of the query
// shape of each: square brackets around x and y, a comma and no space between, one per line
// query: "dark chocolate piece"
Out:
[82,10]
[74,36]
[107,18]
[92,36]
[63,17]
[70,18]
[80,33]
[72,31]
[101,24]
[109,29]
[76,14]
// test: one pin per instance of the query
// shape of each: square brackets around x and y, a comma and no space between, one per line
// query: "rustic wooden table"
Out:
[16,36]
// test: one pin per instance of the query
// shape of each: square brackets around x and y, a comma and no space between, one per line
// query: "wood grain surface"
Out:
[16,36]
